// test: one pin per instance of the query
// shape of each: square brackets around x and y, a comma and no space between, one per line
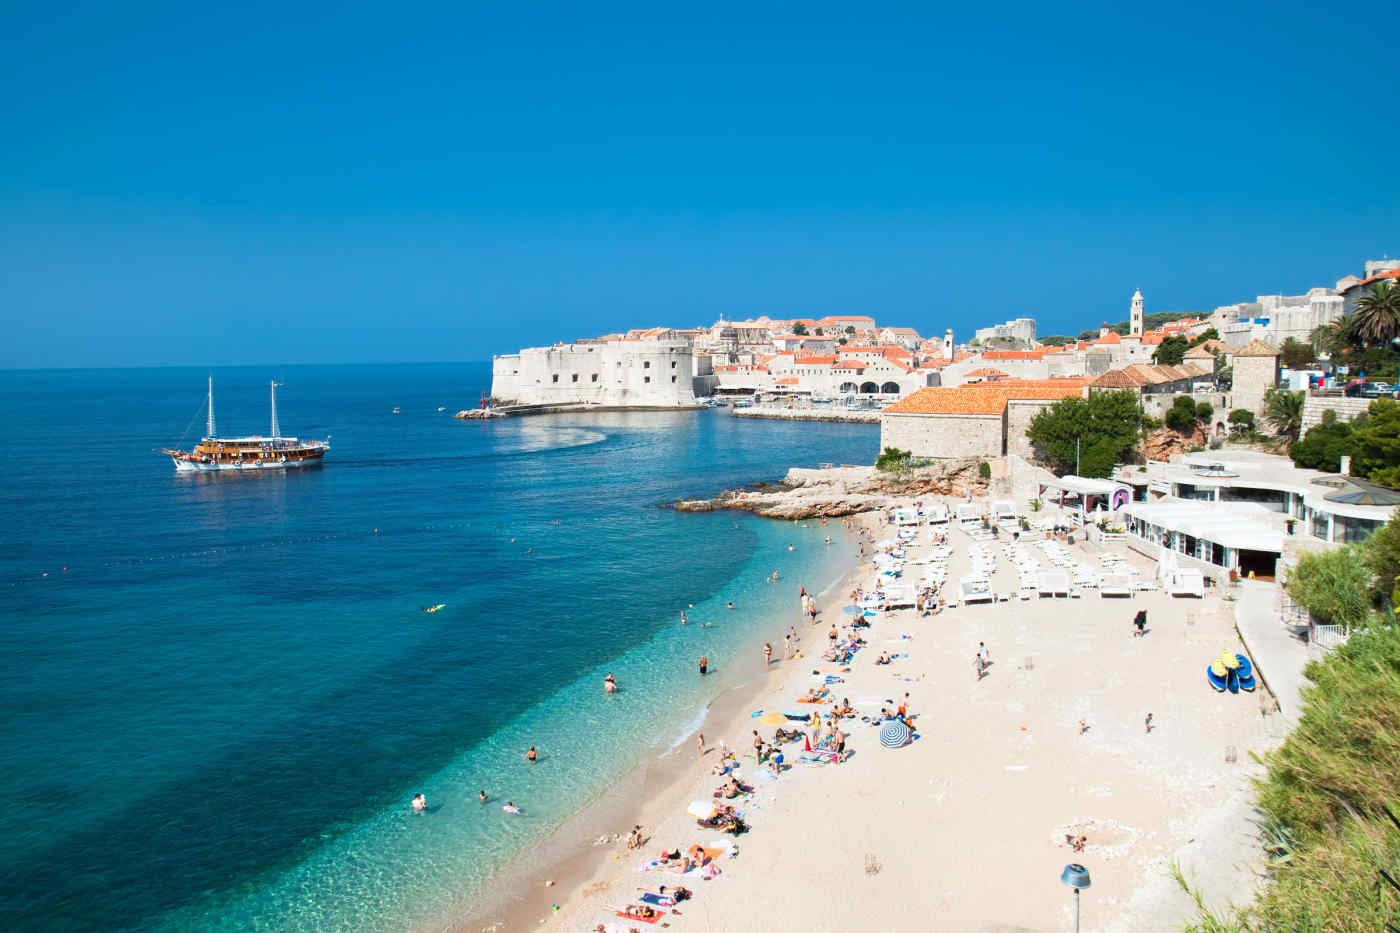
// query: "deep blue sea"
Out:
[218,692]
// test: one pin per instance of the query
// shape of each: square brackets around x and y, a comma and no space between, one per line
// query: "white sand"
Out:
[964,828]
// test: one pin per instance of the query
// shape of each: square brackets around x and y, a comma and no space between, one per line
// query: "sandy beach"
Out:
[964,828]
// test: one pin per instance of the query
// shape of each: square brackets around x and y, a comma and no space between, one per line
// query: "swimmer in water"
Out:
[682,617]
[420,803]
[610,684]
[481,796]
[532,756]
[510,807]
[731,605]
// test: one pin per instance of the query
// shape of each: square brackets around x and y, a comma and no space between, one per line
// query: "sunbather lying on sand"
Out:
[884,658]
[844,708]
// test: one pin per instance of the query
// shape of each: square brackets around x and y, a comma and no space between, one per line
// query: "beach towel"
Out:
[667,867]
[658,900]
[622,912]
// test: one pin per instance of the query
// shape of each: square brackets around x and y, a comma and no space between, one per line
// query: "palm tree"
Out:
[1376,319]
[1284,410]
[1334,338]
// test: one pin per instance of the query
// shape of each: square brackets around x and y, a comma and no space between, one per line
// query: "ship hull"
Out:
[242,466]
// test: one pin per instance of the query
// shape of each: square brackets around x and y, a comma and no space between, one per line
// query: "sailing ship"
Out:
[273,452]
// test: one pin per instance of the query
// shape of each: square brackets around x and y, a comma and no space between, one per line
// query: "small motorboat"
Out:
[442,408]
[396,409]
[438,608]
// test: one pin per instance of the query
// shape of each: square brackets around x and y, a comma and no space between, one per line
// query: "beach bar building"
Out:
[1232,536]
[1330,507]
[1085,494]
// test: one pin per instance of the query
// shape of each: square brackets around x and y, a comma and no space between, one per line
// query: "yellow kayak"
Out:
[436,608]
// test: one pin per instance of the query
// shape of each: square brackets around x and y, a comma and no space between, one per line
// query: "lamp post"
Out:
[1075,876]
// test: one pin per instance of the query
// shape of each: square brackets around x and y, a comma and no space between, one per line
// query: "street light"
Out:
[1075,876]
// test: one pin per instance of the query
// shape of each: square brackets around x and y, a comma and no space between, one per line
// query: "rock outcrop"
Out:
[1162,443]
[841,491]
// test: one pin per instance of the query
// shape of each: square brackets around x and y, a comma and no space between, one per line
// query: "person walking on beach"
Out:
[1147,724]
[787,646]
[1140,620]
[700,744]
[704,664]
[767,654]
[983,654]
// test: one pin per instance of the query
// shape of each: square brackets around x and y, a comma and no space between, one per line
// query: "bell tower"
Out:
[1135,319]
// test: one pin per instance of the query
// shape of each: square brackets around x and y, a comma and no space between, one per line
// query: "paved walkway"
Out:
[1278,654]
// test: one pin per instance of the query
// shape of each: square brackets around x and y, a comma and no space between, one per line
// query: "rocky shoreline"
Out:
[836,492]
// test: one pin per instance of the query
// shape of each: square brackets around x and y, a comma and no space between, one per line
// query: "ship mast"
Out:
[276,431]
[209,429]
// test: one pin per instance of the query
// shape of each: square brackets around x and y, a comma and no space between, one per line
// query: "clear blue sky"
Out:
[214,184]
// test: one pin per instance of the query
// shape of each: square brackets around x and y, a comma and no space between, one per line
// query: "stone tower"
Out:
[1256,370]
[948,344]
[1135,319]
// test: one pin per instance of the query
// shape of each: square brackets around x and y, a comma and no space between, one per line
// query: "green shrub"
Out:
[1204,411]
[1241,420]
[1333,585]
[984,470]
[1323,446]
[893,460]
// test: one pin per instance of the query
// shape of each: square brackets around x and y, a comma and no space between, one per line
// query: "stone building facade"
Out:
[1256,370]
[614,374]
[986,420]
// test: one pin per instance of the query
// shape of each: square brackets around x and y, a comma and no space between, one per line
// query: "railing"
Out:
[1327,636]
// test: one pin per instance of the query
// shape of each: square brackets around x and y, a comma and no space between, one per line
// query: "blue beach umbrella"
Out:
[852,610]
[894,734]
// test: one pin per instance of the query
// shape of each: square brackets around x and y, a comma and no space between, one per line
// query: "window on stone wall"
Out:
[646,379]
[646,364]
[673,364]
[595,377]
[574,378]
[673,378]
[556,377]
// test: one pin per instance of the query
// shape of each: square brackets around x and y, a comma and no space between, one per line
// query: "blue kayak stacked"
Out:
[1231,672]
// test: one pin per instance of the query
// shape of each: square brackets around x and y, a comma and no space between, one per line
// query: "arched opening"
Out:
[1219,429]
[869,388]
[849,388]
[890,388]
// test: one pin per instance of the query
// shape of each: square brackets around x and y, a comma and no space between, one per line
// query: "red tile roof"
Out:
[815,360]
[1390,274]
[988,398]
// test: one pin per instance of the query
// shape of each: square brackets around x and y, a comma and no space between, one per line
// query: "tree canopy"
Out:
[1296,355]
[1376,320]
[1323,446]
[1376,443]
[1171,351]
[1284,411]
[1210,333]
[799,329]
[1106,426]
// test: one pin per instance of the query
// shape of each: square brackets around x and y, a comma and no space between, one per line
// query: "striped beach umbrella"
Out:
[894,734]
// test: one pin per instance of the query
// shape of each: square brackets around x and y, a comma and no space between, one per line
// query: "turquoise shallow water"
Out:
[214,718]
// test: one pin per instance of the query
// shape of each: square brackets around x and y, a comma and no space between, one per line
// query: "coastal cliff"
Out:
[836,492]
